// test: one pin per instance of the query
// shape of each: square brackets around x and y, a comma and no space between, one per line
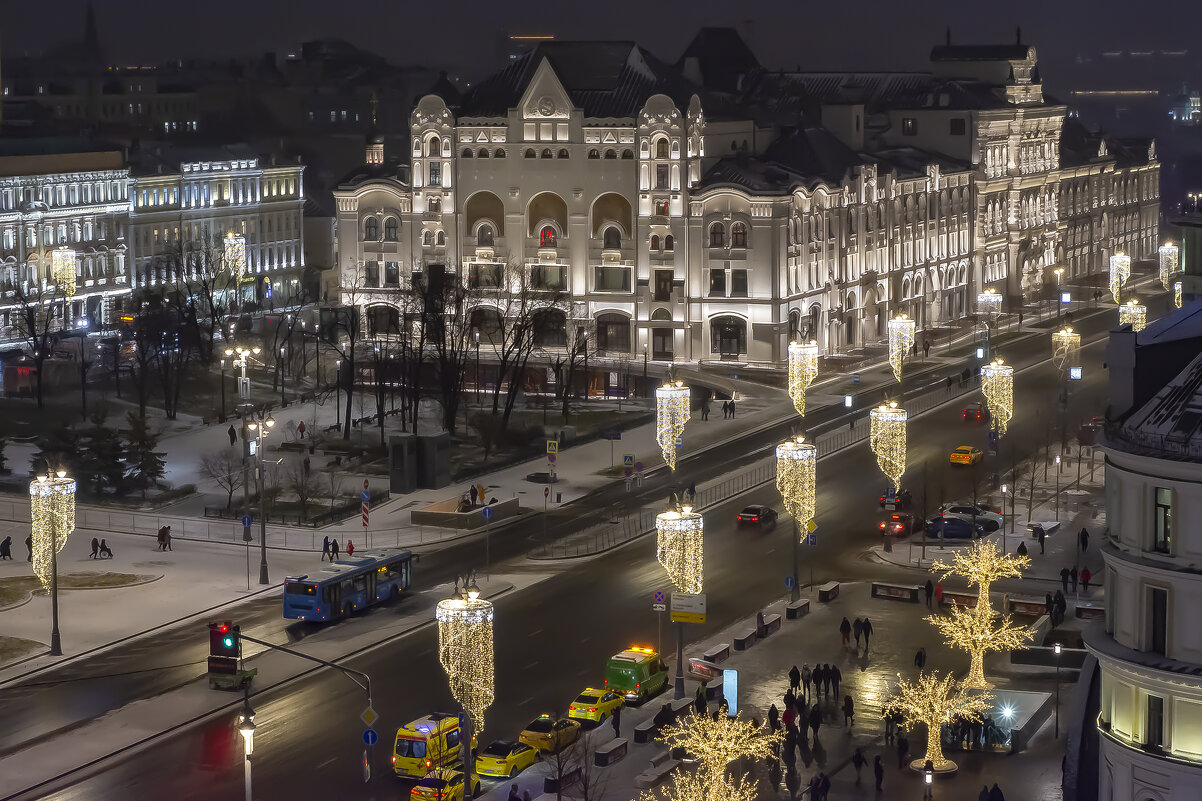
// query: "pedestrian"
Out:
[105,551]
[815,788]
[819,671]
[159,537]
[773,719]
[1061,607]
[525,795]
[1085,577]
[995,793]
[824,785]
[858,761]
[790,716]
[807,676]
[984,794]
[890,726]
[308,465]
[920,658]
[867,633]
[1020,319]
[480,493]
[705,410]
[663,717]
[325,548]
[815,720]
[1049,606]
[836,678]
[350,548]
[826,680]
[167,538]
[1022,549]
[95,548]
[949,383]
[6,548]
[1072,576]
[856,628]
[699,702]
[1064,579]
[514,795]
[930,591]
[794,679]
[849,711]
[472,494]
[333,550]
[725,409]
[232,434]
[1042,535]
[732,408]
[300,429]
[914,350]
[939,594]
[616,721]
[29,548]
[1084,539]
[692,491]
[878,770]
[903,750]
[845,631]
[926,349]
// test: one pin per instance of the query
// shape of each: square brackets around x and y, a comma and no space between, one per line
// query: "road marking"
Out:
[532,664]
[536,631]
[328,761]
[528,700]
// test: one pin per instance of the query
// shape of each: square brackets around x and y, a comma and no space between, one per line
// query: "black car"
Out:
[899,524]
[975,413]
[758,515]
[896,500]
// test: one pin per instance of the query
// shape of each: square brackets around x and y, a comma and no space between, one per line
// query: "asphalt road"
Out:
[553,638]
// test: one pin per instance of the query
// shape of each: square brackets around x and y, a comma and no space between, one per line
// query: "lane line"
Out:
[535,632]
[532,664]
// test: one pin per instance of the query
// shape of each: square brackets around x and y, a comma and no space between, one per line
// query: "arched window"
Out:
[435,145]
[669,242]
[728,336]
[717,236]
[483,153]
[371,229]
[546,237]
[661,149]
[627,153]
[434,205]
[738,235]
[612,239]
[594,153]
[563,153]
[655,241]
[644,149]
[546,152]
[484,236]
[529,152]
[427,238]
[390,229]
[467,152]
[499,153]
[440,239]
[611,154]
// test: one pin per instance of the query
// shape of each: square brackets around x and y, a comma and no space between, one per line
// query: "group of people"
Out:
[973,734]
[1055,607]
[164,538]
[101,550]
[1069,577]
[860,628]
[330,550]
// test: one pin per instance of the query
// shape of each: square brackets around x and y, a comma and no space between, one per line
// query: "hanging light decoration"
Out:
[803,369]
[1170,263]
[671,414]
[52,513]
[796,478]
[679,548]
[997,383]
[1135,314]
[901,340]
[989,304]
[235,254]
[1177,294]
[1066,347]
[62,269]
[887,438]
[465,650]
[1120,271]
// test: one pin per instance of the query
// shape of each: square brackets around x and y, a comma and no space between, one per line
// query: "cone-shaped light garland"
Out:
[671,414]
[803,369]
[52,513]
[1177,294]
[1066,348]
[1120,271]
[997,383]
[465,650]
[680,549]
[901,341]
[235,254]
[989,304]
[62,269]
[975,631]
[796,474]
[1170,263]
[887,438]
[1134,314]
[934,700]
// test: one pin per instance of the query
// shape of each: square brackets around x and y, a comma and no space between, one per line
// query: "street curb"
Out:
[146,741]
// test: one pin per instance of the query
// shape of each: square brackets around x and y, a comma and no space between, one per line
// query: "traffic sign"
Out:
[246,521]
[788,582]
[628,472]
[613,434]
[551,458]
[638,466]
[680,441]
[369,717]
[658,607]
[628,460]
[811,526]
[658,597]
[365,496]
[688,608]
[552,446]
[369,737]
[546,492]
[811,539]
[365,484]
[486,512]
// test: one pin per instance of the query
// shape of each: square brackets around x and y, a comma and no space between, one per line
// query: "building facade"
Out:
[698,215]
[1149,651]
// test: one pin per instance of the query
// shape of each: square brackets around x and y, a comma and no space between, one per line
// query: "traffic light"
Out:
[224,648]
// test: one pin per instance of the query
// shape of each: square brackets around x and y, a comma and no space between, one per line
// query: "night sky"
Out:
[830,34]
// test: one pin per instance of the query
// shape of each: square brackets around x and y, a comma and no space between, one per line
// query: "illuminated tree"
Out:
[714,744]
[934,701]
[684,786]
[975,631]
[982,564]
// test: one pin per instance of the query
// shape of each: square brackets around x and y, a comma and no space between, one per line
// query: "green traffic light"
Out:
[229,642]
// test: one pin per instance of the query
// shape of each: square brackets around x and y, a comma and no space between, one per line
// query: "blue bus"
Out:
[350,584]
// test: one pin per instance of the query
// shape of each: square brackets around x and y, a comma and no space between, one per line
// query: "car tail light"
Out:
[394,759]
[592,709]
[755,520]
[638,684]
[427,763]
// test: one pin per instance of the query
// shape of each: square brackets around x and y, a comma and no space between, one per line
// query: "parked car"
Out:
[965,455]
[901,499]
[981,514]
[953,528]
[975,413]
[898,524]
[758,516]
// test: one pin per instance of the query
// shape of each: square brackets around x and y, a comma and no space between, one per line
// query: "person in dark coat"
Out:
[920,658]
[105,551]
[827,678]
[773,719]
[1061,607]
[699,703]
[1083,538]
[1072,575]
[732,408]
[233,435]
[890,720]
[824,785]
[472,493]
[790,700]
[6,548]
[1042,535]
[903,750]
[794,679]
[325,548]
[858,762]
[930,591]
[857,626]
[815,720]
[878,770]
[725,409]
[984,794]
[95,548]
[995,793]
[845,631]
[836,677]
[616,720]
[849,711]
[1049,606]
[1064,579]
[29,548]
[867,633]
[514,795]
[333,550]
[663,717]
[807,676]
[1022,549]
[817,681]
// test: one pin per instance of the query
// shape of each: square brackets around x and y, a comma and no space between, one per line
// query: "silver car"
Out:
[985,517]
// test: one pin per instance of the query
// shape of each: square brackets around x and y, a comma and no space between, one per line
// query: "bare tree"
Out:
[225,468]
[574,358]
[40,316]
[304,485]
[200,283]
[347,331]
[447,323]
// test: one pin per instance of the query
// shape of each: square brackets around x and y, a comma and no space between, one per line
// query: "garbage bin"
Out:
[559,497]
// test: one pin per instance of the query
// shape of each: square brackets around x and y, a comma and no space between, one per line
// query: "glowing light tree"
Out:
[803,369]
[796,481]
[982,564]
[52,515]
[1177,294]
[235,255]
[1066,348]
[1170,263]
[62,269]
[465,650]
[901,342]
[714,744]
[684,786]
[997,384]
[933,700]
[671,414]
[680,548]
[887,438]
[975,631]
[1134,314]
[1120,271]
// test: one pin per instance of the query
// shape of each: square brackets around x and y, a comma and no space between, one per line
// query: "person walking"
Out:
[930,591]
[350,548]
[472,494]
[827,677]
[167,538]
[616,721]
[333,550]
[858,762]
[705,410]
[514,795]
[29,548]
[300,429]
[1061,607]
[824,786]
[1085,577]
[1022,549]
[1083,538]
[699,703]
[1049,606]
[6,548]
[845,631]
[867,633]
[95,548]
[903,751]
[878,770]
[807,676]
[856,628]
[732,408]
[815,720]
[1042,535]
[1064,579]
[836,678]
[725,409]
[790,716]
[308,466]
[890,726]
[920,658]
[325,548]
[1072,576]
[849,712]
[818,676]
[159,537]
[773,719]
[995,793]
[794,679]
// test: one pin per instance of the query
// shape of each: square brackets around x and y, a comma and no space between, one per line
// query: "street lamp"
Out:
[1134,314]
[477,368]
[1059,271]
[223,390]
[1004,490]
[1177,294]
[244,355]
[338,387]
[803,369]
[1170,263]
[465,651]
[796,479]
[1120,271]
[887,439]
[644,368]
[259,422]
[997,384]
[679,547]
[1066,347]
[1057,486]
[246,727]
[1057,649]
[52,515]
[928,774]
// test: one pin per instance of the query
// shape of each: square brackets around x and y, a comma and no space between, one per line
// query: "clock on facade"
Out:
[546,106]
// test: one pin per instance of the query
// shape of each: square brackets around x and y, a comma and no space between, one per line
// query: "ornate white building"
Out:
[1150,649]
[710,211]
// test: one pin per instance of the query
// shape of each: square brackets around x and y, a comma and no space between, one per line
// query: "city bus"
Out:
[348,585]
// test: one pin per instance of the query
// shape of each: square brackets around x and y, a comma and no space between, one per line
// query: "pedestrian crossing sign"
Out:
[552,446]
[628,460]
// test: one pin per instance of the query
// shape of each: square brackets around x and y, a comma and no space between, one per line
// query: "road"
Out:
[553,638]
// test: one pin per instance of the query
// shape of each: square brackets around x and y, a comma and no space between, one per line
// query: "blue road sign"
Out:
[680,441]
[365,496]
[246,521]
[659,596]
[613,434]
[487,512]
[369,736]
[788,582]
[811,539]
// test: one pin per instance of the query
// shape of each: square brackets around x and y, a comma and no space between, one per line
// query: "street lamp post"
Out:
[1056,648]
[1004,519]
[246,727]
[1057,486]
[338,389]
[477,369]
[1059,271]
[52,519]
[223,390]
[644,368]
[260,425]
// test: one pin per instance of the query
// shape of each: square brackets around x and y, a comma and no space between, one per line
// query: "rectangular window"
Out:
[435,173]
[661,176]
[561,132]
[611,279]
[909,126]
[1163,521]
[663,285]
[371,271]
[1158,609]
[392,274]
[544,132]
[718,283]
[661,208]
[1154,735]
[738,283]
[956,126]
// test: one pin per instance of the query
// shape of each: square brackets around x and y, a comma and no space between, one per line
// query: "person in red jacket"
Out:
[350,548]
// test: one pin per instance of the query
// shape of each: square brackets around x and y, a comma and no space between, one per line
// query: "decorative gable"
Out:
[545,98]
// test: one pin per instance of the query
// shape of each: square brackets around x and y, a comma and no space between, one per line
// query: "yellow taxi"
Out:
[595,705]
[505,758]
[965,454]
[444,784]
[548,735]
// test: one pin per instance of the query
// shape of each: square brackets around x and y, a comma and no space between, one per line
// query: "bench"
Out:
[660,758]
[798,609]
[1049,527]
[1026,605]
[1087,610]
[896,592]
[713,689]
[680,706]
[828,591]
[967,599]
[552,784]
[719,653]
[655,774]
[744,640]
[611,752]
[645,731]
[771,626]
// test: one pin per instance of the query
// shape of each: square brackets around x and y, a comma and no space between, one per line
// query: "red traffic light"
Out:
[223,627]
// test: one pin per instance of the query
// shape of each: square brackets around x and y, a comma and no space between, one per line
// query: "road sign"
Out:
[658,607]
[811,526]
[788,582]
[688,608]
[369,737]
[552,446]
[628,460]
[246,521]
[363,510]
[855,378]
[546,492]
[658,597]
[369,717]
[486,512]
[680,441]
[811,539]
[551,458]
[365,495]
[613,434]
[638,466]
